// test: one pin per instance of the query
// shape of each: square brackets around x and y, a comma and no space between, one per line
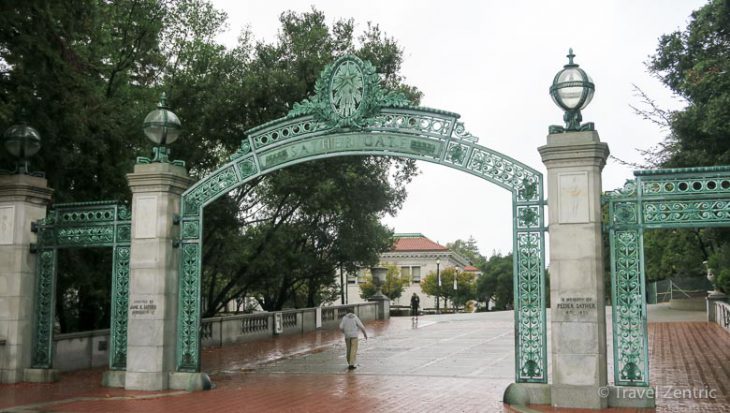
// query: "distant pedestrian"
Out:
[350,325]
[415,303]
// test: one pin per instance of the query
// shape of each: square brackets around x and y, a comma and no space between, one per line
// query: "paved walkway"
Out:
[448,363]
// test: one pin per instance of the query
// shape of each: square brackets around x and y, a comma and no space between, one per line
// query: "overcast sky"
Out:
[493,62]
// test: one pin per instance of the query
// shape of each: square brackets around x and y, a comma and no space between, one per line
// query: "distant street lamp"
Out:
[22,141]
[572,90]
[456,271]
[438,275]
[162,127]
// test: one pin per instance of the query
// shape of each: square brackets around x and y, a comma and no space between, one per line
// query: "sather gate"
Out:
[350,114]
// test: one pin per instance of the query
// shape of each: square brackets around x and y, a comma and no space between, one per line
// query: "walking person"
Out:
[415,303]
[350,325]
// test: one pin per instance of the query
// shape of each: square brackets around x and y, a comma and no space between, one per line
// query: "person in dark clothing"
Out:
[415,303]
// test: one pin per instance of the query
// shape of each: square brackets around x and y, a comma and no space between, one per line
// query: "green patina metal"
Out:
[82,225]
[664,198]
[351,114]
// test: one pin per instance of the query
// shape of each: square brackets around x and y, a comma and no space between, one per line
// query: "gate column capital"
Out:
[159,177]
[574,149]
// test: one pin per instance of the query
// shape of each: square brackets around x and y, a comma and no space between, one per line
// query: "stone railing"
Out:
[89,349]
[722,315]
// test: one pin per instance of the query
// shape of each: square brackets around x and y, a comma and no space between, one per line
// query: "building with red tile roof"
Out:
[416,256]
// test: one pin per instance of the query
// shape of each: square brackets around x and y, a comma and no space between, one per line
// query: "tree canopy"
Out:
[695,64]
[85,73]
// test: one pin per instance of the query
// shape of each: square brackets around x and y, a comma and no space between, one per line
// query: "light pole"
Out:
[438,275]
[453,301]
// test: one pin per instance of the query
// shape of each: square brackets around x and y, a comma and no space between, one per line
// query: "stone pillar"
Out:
[23,200]
[574,161]
[153,278]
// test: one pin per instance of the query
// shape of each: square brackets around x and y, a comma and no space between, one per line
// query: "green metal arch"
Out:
[350,114]
[697,197]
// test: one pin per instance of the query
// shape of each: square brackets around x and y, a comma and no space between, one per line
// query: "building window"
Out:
[405,273]
[411,273]
[416,274]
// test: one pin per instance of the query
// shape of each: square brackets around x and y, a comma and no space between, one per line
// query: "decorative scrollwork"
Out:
[456,153]
[531,350]
[461,133]
[528,216]
[208,189]
[413,121]
[188,343]
[499,169]
[630,350]
[43,316]
[686,212]
[120,306]
[246,168]
[625,213]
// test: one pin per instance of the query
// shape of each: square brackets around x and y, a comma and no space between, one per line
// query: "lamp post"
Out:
[572,90]
[453,301]
[162,127]
[22,141]
[438,275]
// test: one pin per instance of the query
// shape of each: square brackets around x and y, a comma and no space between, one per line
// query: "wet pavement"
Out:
[447,363]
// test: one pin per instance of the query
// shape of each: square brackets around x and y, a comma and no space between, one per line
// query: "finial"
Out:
[570,56]
[163,101]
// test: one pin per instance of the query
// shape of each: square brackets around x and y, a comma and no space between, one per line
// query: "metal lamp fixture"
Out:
[572,90]
[162,127]
[22,141]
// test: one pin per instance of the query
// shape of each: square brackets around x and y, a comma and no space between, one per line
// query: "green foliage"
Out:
[85,73]
[392,288]
[695,64]
[465,286]
[469,250]
[496,282]
[720,264]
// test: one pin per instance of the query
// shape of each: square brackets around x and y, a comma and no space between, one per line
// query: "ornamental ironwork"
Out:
[82,225]
[352,114]
[663,198]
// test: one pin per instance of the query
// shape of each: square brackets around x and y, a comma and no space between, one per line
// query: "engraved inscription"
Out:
[142,307]
[576,306]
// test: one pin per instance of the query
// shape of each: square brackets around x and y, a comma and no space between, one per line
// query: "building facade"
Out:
[415,256]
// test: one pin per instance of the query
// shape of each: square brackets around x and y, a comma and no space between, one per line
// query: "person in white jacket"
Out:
[350,325]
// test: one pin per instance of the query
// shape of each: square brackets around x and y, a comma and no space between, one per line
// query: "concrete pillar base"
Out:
[383,305]
[523,394]
[571,396]
[152,381]
[631,397]
[40,375]
[190,381]
[114,378]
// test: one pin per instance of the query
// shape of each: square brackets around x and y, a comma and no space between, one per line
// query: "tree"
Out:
[85,73]
[392,288]
[496,282]
[469,250]
[695,64]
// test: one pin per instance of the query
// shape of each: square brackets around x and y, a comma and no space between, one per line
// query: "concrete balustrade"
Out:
[90,349]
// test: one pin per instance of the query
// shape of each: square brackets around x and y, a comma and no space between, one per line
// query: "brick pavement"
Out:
[458,363]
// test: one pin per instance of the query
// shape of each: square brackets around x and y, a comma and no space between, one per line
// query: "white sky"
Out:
[493,62]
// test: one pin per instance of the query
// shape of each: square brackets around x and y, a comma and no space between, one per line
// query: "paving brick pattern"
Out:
[456,363]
